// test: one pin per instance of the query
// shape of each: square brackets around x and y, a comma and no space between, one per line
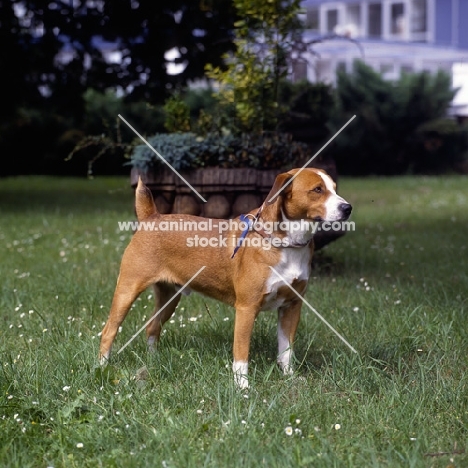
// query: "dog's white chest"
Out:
[294,265]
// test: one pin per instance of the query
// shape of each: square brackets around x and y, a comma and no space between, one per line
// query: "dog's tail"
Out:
[144,202]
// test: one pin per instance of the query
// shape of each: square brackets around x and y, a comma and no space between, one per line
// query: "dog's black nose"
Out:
[346,208]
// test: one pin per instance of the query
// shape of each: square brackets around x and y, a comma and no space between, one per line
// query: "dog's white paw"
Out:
[287,369]
[151,344]
[240,369]
[104,360]
[285,362]
[241,382]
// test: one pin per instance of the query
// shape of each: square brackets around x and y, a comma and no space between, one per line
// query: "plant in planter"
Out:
[233,155]
[234,172]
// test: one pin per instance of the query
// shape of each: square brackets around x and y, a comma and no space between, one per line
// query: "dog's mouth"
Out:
[342,217]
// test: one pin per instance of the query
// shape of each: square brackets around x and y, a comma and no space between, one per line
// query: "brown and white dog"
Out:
[167,260]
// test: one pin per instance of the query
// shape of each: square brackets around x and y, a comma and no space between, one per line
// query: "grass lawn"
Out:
[396,288]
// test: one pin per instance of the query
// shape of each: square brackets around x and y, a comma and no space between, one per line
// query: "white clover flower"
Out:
[288,430]
[337,427]
[79,445]
[66,388]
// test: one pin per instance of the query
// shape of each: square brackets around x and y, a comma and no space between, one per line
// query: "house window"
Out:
[386,68]
[397,18]
[312,19]
[375,20]
[341,67]
[332,20]
[353,19]
[299,71]
[419,16]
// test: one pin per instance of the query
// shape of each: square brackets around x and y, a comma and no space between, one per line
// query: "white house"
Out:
[392,36]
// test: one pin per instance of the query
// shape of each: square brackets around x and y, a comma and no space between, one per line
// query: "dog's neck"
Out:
[299,233]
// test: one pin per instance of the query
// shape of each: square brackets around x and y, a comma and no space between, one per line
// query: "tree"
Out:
[201,32]
[265,33]
[15,63]
[53,51]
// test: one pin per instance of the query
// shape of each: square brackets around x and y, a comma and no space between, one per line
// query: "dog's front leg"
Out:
[288,320]
[243,327]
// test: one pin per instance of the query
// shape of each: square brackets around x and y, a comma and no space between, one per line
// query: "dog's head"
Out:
[308,194]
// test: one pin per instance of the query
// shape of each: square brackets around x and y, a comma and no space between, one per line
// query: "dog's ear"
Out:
[278,188]
[272,205]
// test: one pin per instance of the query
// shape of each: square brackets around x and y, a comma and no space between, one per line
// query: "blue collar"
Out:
[249,223]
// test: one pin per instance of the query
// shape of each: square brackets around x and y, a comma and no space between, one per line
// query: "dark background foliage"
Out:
[60,94]
[396,122]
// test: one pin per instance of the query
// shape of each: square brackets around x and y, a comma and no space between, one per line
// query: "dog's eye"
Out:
[317,190]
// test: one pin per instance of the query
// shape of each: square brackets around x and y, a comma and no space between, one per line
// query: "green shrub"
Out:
[102,110]
[439,145]
[389,113]
[190,151]
[177,114]
[29,140]
[307,109]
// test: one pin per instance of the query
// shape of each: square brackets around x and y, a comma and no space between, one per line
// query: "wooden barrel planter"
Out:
[228,192]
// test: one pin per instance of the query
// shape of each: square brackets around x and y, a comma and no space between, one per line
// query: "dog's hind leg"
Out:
[163,292]
[130,284]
